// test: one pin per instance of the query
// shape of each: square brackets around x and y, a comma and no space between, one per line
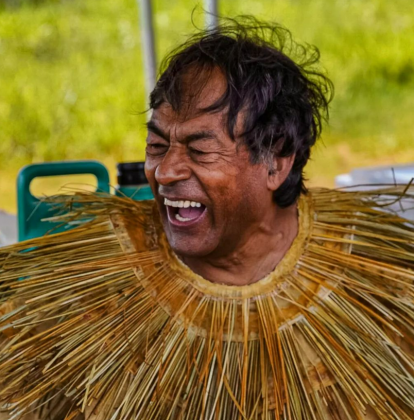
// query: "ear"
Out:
[279,171]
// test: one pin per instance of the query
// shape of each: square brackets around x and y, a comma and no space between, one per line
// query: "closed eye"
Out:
[156,148]
[197,151]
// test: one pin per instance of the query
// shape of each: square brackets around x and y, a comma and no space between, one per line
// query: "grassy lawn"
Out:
[71,79]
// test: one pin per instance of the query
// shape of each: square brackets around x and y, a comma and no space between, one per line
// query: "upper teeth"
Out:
[181,203]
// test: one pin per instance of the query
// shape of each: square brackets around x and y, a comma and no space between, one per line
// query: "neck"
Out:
[258,252]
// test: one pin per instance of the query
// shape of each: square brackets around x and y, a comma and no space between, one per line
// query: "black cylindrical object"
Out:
[131,173]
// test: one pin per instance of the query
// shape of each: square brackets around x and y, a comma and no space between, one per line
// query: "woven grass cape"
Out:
[105,320]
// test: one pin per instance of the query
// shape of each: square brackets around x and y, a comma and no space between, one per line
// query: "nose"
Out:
[173,168]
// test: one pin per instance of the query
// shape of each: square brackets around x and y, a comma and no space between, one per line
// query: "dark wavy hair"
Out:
[274,81]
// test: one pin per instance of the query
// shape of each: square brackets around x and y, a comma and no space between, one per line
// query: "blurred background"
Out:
[72,79]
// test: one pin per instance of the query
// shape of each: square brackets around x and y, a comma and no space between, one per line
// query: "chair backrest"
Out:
[379,177]
[31,210]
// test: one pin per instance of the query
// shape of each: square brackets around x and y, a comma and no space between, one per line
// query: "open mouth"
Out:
[184,212]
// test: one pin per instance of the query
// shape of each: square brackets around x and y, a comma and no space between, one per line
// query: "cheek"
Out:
[226,193]
[246,194]
[150,168]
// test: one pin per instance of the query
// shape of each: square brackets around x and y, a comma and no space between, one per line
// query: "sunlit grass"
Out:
[71,79]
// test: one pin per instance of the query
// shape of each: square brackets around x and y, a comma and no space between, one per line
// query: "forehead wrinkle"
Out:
[166,116]
[200,135]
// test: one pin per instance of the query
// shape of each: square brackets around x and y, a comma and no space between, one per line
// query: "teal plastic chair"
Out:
[31,210]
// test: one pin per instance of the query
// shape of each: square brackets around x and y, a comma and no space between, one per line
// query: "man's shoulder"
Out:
[370,223]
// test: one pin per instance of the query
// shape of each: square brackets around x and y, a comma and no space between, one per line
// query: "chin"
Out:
[193,248]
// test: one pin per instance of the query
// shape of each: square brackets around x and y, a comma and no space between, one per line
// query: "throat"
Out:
[238,271]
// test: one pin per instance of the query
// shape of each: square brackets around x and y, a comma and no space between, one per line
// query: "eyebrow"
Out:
[151,126]
[198,135]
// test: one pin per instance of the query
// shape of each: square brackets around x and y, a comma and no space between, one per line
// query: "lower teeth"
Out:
[182,219]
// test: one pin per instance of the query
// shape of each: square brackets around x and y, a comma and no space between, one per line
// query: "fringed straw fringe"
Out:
[119,326]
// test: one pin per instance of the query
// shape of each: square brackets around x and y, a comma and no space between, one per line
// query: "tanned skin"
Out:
[243,234]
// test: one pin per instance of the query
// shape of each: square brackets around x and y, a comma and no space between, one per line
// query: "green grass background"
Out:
[72,87]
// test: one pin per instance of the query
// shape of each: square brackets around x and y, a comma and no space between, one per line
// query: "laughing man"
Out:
[236,294]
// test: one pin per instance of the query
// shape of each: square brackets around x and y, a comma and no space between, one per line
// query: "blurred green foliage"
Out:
[71,77]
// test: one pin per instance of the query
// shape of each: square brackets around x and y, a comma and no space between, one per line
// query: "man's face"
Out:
[208,192]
